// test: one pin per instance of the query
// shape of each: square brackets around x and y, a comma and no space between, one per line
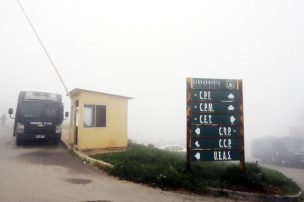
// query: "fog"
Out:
[146,49]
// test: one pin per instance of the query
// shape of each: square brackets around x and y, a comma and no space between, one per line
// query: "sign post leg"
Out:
[242,149]
[188,124]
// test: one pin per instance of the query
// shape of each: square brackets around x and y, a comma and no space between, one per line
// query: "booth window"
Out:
[94,116]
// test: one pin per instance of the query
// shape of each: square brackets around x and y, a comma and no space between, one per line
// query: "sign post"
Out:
[215,121]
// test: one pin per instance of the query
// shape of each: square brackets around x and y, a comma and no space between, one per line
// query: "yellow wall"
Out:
[114,135]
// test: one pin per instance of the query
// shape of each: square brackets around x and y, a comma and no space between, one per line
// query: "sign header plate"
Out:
[216,84]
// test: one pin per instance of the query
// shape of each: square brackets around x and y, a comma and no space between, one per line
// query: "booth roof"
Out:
[77,91]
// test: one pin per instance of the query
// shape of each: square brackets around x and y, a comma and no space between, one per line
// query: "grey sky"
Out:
[146,49]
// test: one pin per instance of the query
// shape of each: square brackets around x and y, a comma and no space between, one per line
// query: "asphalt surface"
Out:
[45,172]
[296,174]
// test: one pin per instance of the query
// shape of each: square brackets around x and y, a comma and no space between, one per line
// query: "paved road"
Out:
[44,172]
[296,174]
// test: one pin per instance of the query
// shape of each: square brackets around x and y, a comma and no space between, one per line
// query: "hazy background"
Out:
[146,49]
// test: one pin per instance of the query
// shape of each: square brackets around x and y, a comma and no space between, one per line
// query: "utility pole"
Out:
[44,48]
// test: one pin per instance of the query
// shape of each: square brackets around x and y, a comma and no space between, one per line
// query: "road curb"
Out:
[86,158]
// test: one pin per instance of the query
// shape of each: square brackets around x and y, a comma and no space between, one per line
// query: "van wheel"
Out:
[56,141]
[19,142]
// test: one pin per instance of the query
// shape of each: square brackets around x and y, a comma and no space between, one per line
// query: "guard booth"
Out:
[99,121]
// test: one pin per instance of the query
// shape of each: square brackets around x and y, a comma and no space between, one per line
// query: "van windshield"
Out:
[39,109]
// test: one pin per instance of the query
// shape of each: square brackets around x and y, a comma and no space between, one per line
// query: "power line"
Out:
[44,48]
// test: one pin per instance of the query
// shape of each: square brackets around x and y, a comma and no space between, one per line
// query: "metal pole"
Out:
[44,48]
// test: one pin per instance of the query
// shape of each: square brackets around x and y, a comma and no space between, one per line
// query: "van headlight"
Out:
[58,129]
[20,128]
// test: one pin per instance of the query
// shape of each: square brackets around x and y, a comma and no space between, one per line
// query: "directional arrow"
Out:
[231,108]
[198,131]
[198,156]
[195,106]
[232,119]
[230,96]
[197,144]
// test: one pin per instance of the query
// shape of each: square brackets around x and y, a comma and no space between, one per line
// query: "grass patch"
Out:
[168,170]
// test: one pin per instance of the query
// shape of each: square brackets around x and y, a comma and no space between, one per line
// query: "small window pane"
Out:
[101,115]
[89,116]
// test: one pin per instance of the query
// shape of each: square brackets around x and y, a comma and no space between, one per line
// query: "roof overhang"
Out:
[77,91]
